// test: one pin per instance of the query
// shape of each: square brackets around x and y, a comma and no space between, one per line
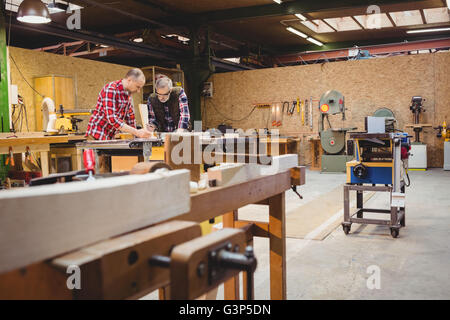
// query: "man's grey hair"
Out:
[136,74]
[164,82]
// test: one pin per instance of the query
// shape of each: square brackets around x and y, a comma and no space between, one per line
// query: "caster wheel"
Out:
[346,229]
[394,232]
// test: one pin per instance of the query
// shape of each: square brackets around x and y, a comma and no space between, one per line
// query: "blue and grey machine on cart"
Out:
[380,165]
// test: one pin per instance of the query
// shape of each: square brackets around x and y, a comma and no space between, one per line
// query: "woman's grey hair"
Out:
[164,82]
[136,74]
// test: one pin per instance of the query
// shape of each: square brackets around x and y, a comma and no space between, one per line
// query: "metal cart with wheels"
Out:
[397,214]
[380,166]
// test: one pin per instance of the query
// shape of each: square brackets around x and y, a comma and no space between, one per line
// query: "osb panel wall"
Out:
[89,77]
[366,84]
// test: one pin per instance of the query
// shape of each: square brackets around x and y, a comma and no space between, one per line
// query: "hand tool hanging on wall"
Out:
[10,158]
[303,111]
[274,115]
[298,105]
[279,115]
[287,105]
[294,103]
[310,112]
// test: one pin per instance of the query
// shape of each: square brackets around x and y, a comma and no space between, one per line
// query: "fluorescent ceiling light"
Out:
[74,7]
[138,40]
[428,30]
[301,17]
[295,31]
[277,1]
[234,60]
[180,38]
[314,41]
[55,7]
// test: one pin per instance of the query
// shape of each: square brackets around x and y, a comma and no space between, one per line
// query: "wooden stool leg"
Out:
[231,287]
[277,236]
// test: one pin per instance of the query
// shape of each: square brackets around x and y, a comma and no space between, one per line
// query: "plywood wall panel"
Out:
[89,77]
[366,84]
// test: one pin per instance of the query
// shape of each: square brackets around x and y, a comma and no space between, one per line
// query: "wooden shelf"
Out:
[177,76]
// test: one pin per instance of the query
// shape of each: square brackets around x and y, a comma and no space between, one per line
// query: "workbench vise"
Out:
[170,255]
[198,266]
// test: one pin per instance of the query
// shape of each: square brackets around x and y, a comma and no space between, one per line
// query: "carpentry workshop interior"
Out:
[225,150]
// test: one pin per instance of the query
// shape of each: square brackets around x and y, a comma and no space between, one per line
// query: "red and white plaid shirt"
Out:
[114,108]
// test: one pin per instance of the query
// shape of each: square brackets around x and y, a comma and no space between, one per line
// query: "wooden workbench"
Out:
[269,190]
[34,142]
[43,280]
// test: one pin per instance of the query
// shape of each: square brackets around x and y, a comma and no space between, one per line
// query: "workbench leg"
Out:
[244,278]
[231,286]
[277,236]
[346,204]
[44,163]
[147,151]
[76,161]
[359,203]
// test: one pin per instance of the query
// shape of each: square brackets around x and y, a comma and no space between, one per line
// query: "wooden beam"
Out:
[277,236]
[232,173]
[273,9]
[46,221]
[217,201]
[24,140]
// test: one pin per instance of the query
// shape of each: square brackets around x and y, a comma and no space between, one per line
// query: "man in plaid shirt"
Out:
[168,108]
[114,110]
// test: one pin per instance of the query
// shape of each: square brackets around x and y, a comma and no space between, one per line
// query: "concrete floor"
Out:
[414,266]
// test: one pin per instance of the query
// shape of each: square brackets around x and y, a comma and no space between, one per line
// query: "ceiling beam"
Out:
[117,43]
[285,8]
[393,46]
[99,38]
[57,46]
[124,13]
[228,65]
[391,19]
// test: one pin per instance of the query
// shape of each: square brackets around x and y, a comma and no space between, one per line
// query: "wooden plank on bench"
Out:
[45,221]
